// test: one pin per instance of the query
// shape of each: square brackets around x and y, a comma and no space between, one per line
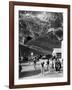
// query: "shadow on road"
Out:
[29,73]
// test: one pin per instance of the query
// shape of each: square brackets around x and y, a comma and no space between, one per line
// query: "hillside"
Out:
[42,31]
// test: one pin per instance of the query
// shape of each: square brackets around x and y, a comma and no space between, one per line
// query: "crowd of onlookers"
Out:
[47,63]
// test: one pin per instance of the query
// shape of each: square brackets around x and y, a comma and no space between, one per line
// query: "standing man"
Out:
[34,60]
[42,68]
[57,65]
[47,64]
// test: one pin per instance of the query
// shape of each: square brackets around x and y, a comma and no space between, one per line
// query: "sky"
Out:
[42,15]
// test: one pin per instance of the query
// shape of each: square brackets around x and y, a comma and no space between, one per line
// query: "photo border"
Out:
[11,44]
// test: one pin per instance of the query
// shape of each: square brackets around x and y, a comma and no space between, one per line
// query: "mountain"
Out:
[42,31]
[45,43]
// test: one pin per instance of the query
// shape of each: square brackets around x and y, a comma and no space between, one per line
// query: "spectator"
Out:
[34,60]
[47,64]
[42,68]
[20,67]
[57,65]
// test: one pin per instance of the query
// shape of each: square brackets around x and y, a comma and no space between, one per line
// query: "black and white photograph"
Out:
[40,44]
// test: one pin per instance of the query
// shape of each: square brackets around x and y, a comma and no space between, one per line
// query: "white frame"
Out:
[18,81]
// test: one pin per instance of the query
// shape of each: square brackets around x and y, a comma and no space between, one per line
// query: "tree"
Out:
[56,20]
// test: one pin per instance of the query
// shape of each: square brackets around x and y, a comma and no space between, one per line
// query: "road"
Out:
[28,71]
